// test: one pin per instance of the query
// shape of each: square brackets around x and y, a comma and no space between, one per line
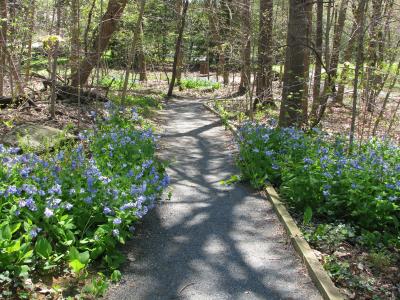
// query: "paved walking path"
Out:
[209,241]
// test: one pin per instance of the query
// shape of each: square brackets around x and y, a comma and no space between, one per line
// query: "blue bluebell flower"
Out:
[48,212]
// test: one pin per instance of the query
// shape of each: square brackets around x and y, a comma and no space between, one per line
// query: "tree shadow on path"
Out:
[209,241]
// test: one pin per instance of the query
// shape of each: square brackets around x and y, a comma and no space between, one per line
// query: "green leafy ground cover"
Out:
[65,210]
[115,83]
[345,202]
[195,83]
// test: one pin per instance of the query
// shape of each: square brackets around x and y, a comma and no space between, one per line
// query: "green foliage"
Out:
[231,180]
[307,215]
[195,83]
[77,261]
[43,248]
[42,62]
[315,170]
[329,237]
[115,83]
[145,105]
[97,286]
[381,260]
[224,114]
[338,269]
[116,276]
[341,272]
[75,205]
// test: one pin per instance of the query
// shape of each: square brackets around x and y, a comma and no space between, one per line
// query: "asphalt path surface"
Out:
[209,241]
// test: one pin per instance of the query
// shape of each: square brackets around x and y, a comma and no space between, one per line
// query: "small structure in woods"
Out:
[204,66]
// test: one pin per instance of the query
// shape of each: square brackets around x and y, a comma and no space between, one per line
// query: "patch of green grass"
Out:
[380,260]
[116,83]
[195,83]
[145,105]
[43,62]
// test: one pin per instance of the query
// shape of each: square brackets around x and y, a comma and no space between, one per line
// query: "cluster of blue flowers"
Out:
[88,195]
[314,169]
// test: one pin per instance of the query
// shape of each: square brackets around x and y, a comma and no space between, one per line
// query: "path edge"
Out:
[315,269]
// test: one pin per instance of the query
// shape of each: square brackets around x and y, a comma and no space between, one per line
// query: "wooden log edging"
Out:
[315,269]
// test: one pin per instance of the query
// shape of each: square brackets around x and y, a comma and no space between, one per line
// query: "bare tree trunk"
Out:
[347,56]
[264,93]
[178,10]
[30,35]
[3,43]
[53,96]
[108,25]
[214,40]
[226,32]
[327,33]
[178,48]
[58,12]
[374,58]
[393,118]
[318,64]
[291,112]
[359,64]
[308,8]
[142,58]
[87,29]
[132,52]
[75,42]
[245,73]
[221,66]
[337,38]
[386,100]
[14,73]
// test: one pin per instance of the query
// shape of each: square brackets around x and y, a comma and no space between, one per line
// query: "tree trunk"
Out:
[3,43]
[75,43]
[308,8]
[226,33]
[337,37]
[245,73]
[108,25]
[58,13]
[54,55]
[386,100]
[87,29]
[347,56]
[30,35]
[374,58]
[291,113]
[178,10]
[178,48]
[327,33]
[264,93]
[318,59]
[132,52]
[142,58]
[359,65]
[213,48]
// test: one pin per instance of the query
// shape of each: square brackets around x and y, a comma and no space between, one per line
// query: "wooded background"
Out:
[298,56]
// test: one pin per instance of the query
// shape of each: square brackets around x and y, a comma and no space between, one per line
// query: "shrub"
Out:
[145,105]
[115,83]
[315,170]
[194,83]
[76,204]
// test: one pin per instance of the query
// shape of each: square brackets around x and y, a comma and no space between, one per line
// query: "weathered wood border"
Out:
[317,273]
